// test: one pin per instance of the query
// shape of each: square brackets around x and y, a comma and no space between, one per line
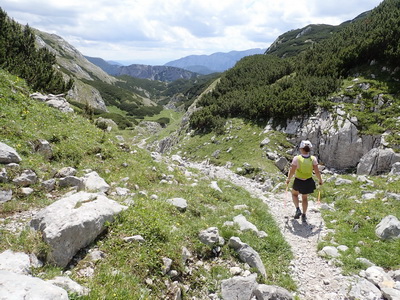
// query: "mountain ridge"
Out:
[213,63]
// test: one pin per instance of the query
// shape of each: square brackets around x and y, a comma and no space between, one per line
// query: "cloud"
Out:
[156,30]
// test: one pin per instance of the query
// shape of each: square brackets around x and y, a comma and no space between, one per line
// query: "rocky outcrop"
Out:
[56,101]
[332,135]
[377,161]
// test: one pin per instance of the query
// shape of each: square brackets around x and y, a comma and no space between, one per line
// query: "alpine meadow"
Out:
[174,186]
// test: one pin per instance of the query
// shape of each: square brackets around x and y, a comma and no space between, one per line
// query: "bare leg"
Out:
[304,202]
[295,198]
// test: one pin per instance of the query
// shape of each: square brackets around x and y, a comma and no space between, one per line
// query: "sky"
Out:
[155,32]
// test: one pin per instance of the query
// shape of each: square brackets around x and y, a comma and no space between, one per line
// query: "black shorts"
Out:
[304,186]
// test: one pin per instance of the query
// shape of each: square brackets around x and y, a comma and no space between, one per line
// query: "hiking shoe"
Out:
[304,218]
[297,214]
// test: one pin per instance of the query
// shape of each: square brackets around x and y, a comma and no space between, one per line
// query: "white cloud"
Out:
[155,31]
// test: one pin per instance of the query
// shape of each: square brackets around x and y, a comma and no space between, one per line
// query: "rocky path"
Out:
[316,277]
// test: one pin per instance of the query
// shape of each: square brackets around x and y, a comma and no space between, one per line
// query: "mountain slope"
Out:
[295,41]
[266,86]
[216,62]
[161,73]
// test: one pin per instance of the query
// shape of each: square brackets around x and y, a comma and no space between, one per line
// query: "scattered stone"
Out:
[5,196]
[3,175]
[17,286]
[16,262]
[179,203]
[329,251]
[8,154]
[266,292]
[71,181]
[135,238]
[265,141]
[364,289]
[379,277]
[377,161]
[391,294]
[27,178]
[343,248]
[214,186]
[49,185]
[235,271]
[92,182]
[70,286]
[393,196]
[211,237]
[395,170]
[238,287]
[281,163]
[26,191]
[247,254]
[44,148]
[388,228]
[365,261]
[167,263]
[65,172]
[342,181]
[244,224]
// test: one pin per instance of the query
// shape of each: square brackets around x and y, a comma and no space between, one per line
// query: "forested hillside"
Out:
[267,86]
[19,56]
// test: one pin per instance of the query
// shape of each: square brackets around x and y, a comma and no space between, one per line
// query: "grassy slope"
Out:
[123,271]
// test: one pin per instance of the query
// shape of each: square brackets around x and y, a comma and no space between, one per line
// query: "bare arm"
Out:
[318,173]
[291,173]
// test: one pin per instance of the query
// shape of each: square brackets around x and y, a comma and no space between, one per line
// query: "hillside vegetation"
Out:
[127,267]
[267,86]
[18,55]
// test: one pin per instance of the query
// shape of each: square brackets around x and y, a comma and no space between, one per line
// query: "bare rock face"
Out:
[335,137]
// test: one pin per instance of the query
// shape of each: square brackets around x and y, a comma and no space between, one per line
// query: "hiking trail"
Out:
[316,277]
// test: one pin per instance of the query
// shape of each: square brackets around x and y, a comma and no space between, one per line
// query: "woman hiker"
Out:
[302,168]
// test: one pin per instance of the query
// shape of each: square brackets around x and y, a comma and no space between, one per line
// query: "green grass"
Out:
[76,142]
[354,221]
[239,144]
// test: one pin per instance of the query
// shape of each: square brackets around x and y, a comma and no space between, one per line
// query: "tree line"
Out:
[20,56]
[261,87]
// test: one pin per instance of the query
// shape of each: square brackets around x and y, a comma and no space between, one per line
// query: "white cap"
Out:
[305,143]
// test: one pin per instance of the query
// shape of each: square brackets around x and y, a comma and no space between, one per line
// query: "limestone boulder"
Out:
[73,222]
[238,287]
[19,287]
[8,154]
[247,254]
[377,161]
[388,228]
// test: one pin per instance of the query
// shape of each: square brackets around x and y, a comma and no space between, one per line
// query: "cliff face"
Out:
[74,65]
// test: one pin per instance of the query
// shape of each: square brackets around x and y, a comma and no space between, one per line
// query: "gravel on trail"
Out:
[316,277]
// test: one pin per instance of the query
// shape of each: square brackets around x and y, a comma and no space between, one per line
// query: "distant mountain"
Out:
[216,62]
[110,68]
[161,73]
